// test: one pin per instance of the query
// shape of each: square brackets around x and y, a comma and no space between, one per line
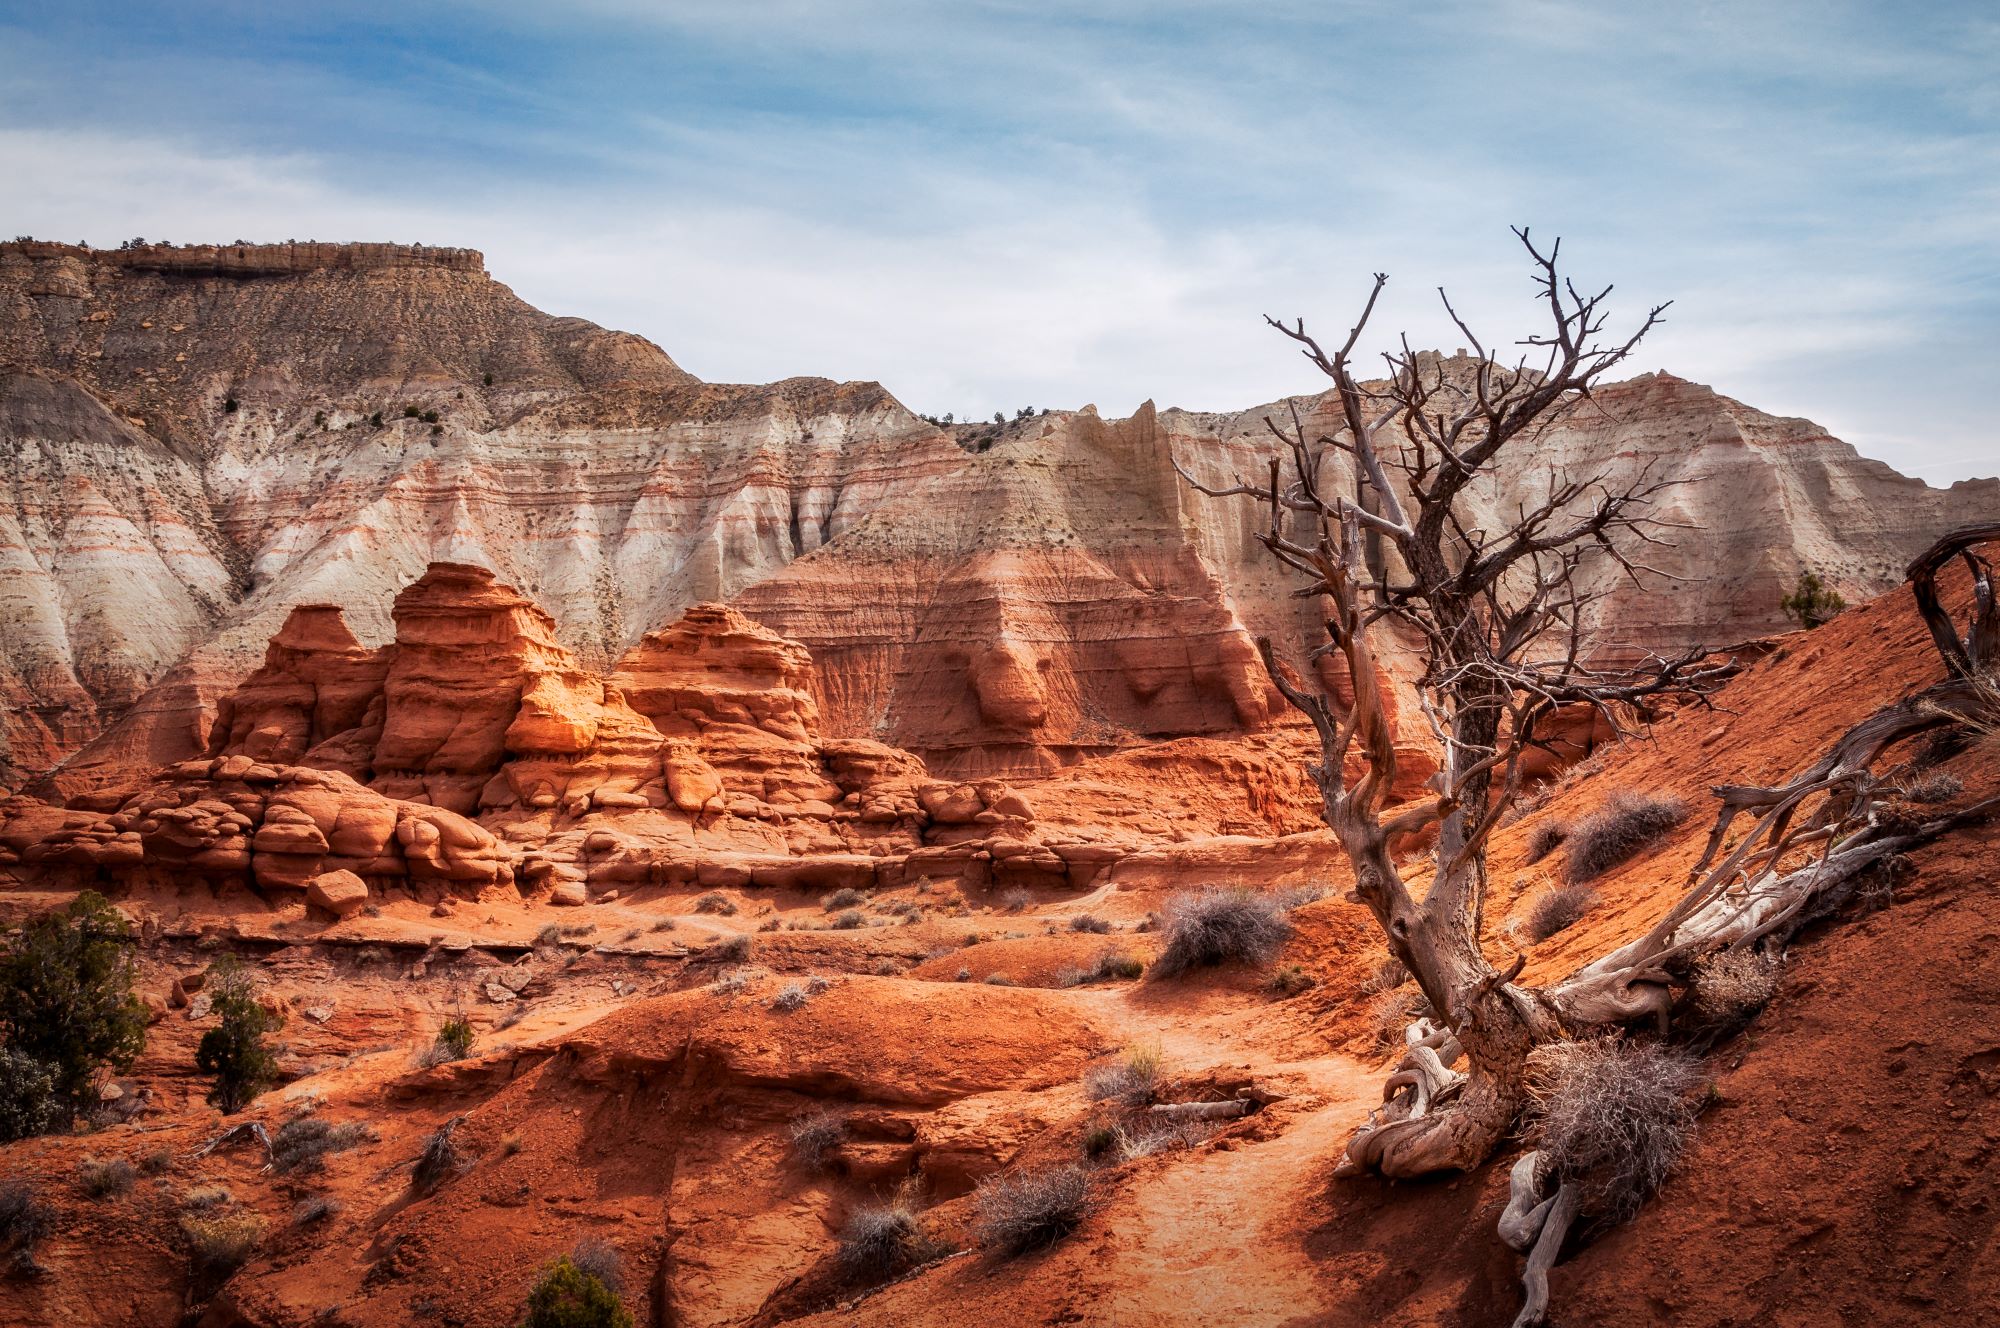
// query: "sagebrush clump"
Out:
[881,1240]
[1556,909]
[1028,1210]
[303,1142]
[1617,832]
[105,1178]
[1545,839]
[1215,926]
[1612,1117]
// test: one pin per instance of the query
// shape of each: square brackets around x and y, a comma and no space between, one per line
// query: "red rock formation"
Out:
[1000,599]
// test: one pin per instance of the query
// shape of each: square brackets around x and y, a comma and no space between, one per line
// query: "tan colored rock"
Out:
[338,892]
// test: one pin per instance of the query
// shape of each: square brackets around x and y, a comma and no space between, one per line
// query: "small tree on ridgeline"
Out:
[1812,602]
[234,1051]
[67,1009]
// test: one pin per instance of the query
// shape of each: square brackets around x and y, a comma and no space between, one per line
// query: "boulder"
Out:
[337,892]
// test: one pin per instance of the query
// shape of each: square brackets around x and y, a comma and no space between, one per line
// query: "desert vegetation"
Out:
[234,1050]
[1031,1209]
[68,1012]
[1204,928]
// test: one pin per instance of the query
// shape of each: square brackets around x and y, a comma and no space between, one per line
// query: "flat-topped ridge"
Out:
[293,256]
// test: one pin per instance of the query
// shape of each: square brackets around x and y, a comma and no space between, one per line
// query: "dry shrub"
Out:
[314,1208]
[1216,926]
[1032,1209]
[1111,963]
[600,1259]
[1618,831]
[302,1143]
[201,1198]
[1556,909]
[1089,922]
[105,1178]
[792,996]
[24,1221]
[1731,986]
[716,902]
[440,1160]
[849,920]
[1388,975]
[1545,839]
[1937,786]
[816,1134]
[1612,1117]
[1291,980]
[1144,1137]
[845,897]
[218,1246]
[881,1240]
[1134,1081]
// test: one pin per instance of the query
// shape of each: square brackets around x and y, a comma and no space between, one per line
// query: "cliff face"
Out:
[197,441]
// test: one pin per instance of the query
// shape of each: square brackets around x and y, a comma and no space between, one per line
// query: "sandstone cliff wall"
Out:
[198,440]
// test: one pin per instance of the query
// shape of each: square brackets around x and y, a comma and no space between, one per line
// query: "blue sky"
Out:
[995,205]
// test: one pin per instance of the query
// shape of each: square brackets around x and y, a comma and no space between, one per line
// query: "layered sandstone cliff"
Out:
[199,440]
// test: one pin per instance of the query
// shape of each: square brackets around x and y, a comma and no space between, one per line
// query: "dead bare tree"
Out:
[1499,617]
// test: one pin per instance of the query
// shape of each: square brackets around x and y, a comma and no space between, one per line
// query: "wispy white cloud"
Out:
[992,205]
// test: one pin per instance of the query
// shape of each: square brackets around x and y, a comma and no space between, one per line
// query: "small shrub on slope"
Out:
[1557,909]
[1617,832]
[1216,926]
[1031,1209]
[568,1297]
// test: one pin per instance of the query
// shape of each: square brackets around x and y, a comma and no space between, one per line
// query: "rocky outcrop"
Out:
[275,827]
[198,440]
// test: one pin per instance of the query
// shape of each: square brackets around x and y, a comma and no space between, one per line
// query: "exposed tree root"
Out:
[1536,1226]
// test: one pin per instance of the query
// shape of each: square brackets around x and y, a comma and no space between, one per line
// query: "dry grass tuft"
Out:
[1134,1081]
[218,1246]
[1556,909]
[1617,832]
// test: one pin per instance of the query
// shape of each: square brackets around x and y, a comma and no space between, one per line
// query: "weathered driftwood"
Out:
[1201,1111]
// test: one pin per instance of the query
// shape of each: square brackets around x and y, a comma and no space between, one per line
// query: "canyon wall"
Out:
[199,440]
